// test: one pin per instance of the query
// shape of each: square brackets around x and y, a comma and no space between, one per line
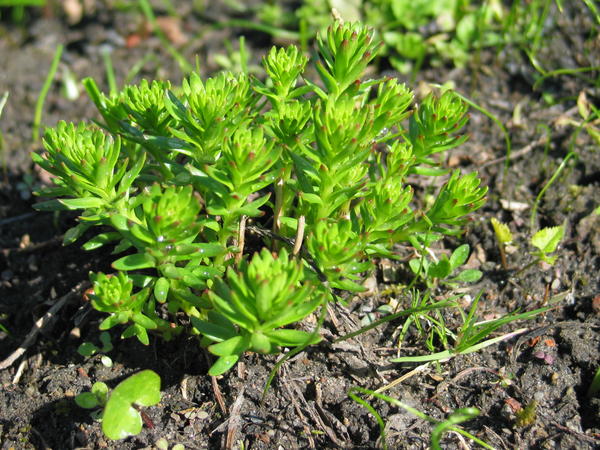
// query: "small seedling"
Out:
[443,270]
[88,349]
[527,415]
[473,335]
[450,423]
[95,399]
[545,242]
[503,237]
[121,416]
[594,385]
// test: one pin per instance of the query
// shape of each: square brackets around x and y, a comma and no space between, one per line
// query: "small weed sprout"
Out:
[503,237]
[444,269]
[88,349]
[594,385]
[545,242]
[120,414]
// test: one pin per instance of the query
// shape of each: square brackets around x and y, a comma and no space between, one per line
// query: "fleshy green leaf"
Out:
[86,400]
[120,418]
[441,269]
[82,203]
[468,276]
[161,289]
[87,349]
[134,262]
[459,256]
[291,338]
[223,364]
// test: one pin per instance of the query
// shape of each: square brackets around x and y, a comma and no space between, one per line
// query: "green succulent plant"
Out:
[309,176]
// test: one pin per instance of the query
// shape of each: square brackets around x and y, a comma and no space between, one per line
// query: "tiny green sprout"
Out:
[527,415]
[546,241]
[450,423]
[121,417]
[504,237]
[88,349]
[112,294]
[163,444]
[96,398]
[594,385]
[444,267]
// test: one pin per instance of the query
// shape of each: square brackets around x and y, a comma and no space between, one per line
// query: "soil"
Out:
[549,367]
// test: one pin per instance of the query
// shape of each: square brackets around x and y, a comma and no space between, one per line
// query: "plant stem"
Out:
[37,118]
[503,256]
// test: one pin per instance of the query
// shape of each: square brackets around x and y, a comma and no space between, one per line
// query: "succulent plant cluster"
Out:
[239,206]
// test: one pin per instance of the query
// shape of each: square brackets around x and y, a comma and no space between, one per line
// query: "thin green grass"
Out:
[3,100]
[591,4]
[558,72]
[39,106]
[495,119]
[538,199]
[440,426]
[177,56]
[276,32]
[138,66]
[474,336]
[594,385]
[110,71]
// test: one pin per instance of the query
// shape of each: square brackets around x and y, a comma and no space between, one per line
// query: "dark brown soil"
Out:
[552,364]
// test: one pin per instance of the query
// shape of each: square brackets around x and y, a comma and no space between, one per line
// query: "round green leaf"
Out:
[87,349]
[86,400]
[120,418]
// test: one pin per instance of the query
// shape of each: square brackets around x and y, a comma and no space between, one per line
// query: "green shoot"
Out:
[527,415]
[503,237]
[443,270]
[3,100]
[546,241]
[473,335]
[594,385]
[39,105]
[440,426]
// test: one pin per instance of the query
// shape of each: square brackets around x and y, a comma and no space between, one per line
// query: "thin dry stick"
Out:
[299,236]
[218,395]
[235,420]
[215,385]
[315,416]
[582,436]
[311,441]
[39,325]
[241,239]
[514,155]
[404,377]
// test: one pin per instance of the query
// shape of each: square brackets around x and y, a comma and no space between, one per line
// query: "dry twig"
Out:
[40,324]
